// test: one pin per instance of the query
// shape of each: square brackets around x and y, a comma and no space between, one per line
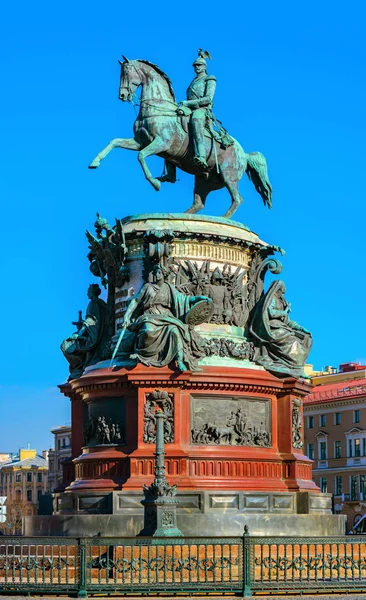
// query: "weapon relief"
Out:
[107,254]
[164,402]
[297,441]
[225,287]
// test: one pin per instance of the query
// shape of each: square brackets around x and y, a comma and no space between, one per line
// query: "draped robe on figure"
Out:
[281,344]
[86,348]
[160,331]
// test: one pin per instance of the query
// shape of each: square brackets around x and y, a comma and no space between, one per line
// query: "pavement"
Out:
[283,596]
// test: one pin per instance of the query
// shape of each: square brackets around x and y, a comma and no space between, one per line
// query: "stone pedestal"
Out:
[196,402]
[232,430]
[222,484]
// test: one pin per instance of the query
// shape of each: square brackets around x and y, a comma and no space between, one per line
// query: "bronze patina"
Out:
[184,135]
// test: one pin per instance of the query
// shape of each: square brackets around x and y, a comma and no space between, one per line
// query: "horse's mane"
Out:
[158,70]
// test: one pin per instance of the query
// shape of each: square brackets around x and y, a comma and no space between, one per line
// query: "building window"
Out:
[354,491]
[59,444]
[337,449]
[39,494]
[357,447]
[29,495]
[364,446]
[350,449]
[363,486]
[39,477]
[18,477]
[337,418]
[323,485]
[338,485]
[29,477]
[356,416]
[323,420]
[310,422]
[311,451]
[323,450]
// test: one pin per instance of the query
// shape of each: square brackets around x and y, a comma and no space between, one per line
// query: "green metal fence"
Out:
[239,565]
[328,563]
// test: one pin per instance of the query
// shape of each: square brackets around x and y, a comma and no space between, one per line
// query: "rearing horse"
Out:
[159,130]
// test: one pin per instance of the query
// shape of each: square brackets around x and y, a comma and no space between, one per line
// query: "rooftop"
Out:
[61,429]
[341,389]
[25,458]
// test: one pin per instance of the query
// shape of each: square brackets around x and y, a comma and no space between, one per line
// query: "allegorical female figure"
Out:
[85,347]
[157,318]
[281,345]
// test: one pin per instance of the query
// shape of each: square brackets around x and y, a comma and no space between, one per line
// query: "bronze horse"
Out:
[159,130]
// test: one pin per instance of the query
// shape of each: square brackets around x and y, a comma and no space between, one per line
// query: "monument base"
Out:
[204,513]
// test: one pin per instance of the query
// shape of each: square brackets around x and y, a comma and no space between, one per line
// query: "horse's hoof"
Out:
[156,184]
[94,164]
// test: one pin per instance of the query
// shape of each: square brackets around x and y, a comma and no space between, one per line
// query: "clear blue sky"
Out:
[291,83]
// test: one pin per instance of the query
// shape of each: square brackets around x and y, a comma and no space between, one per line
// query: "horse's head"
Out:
[130,79]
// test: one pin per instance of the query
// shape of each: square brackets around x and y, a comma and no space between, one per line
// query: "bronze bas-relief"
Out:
[233,422]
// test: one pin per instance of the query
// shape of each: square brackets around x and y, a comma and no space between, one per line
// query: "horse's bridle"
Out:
[131,94]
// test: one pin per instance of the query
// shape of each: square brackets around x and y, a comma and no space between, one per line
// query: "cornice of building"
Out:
[329,403]
[338,469]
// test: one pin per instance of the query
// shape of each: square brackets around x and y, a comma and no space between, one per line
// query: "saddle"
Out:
[214,129]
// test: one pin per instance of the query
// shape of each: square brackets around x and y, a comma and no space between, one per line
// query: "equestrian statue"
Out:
[186,134]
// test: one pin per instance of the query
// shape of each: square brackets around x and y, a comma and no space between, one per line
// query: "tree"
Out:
[16,509]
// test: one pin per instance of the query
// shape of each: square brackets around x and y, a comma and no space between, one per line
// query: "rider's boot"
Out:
[200,156]
[169,174]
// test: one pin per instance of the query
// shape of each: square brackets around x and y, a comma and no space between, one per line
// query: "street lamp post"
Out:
[160,504]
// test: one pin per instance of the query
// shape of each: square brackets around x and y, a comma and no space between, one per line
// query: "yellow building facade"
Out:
[23,479]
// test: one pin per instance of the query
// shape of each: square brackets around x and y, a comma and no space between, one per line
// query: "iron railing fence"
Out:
[42,564]
[297,564]
[164,564]
[239,565]
[128,565]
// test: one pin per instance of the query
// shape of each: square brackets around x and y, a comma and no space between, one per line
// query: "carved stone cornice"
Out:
[109,381]
[135,241]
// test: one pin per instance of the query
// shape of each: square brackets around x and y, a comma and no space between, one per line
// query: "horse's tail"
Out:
[258,174]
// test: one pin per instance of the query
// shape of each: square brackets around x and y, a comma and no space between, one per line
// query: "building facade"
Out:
[4,457]
[58,454]
[23,479]
[335,439]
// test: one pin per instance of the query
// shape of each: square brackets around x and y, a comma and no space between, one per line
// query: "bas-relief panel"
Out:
[234,421]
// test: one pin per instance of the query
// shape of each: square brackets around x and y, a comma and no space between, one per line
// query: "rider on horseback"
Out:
[200,95]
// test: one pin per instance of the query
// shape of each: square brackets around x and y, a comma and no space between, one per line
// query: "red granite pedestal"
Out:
[221,486]
[191,466]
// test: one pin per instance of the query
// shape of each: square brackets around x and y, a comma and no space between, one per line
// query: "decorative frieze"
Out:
[230,421]
[223,253]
